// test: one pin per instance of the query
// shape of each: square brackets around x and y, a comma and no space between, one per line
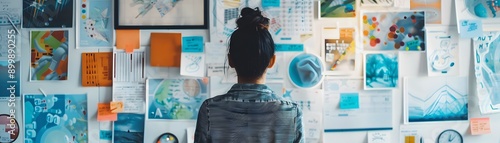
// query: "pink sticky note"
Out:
[480,126]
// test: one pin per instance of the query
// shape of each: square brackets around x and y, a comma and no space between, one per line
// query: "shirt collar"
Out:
[250,87]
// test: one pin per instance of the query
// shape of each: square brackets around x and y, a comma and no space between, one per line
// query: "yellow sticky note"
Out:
[409,139]
[104,113]
[116,107]
[480,126]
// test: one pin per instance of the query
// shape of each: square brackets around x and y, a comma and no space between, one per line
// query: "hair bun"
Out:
[252,19]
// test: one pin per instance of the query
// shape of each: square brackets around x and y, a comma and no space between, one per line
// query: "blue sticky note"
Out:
[192,44]
[105,135]
[470,28]
[349,101]
[271,3]
[289,47]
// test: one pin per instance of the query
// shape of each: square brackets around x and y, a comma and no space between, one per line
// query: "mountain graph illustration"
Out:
[444,104]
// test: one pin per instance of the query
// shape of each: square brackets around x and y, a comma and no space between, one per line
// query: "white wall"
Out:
[411,64]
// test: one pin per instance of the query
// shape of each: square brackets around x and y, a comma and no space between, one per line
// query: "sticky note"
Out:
[480,126]
[105,135]
[128,39]
[192,44]
[165,50]
[349,101]
[271,3]
[409,139]
[289,47]
[104,112]
[470,28]
[116,107]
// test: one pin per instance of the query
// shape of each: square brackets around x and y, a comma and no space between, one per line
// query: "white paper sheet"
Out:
[442,58]
[374,113]
[129,80]
[379,137]
[310,101]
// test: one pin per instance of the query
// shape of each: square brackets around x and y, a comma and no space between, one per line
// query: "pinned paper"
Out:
[192,44]
[97,69]
[165,49]
[379,137]
[128,40]
[192,57]
[190,134]
[271,3]
[349,101]
[289,47]
[470,28]
[480,126]
[104,112]
[116,107]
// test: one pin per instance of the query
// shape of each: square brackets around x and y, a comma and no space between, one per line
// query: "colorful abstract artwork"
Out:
[340,52]
[486,66]
[95,24]
[128,128]
[442,58]
[402,31]
[436,99]
[55,118]
[49,55]
[484,8]
[176,98]
[381,70]
[432,10]
[48,13]
[337,8]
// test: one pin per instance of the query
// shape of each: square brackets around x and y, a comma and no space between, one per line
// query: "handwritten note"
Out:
[349,101]
[104,112]
[116,107]
[289,47]
[271,3]
[379,137]
[470,28]
[192,44]
[480,126]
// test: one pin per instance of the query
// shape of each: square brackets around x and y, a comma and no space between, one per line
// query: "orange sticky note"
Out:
[165,50]
[480,126]
[104,113]
[126,39]
[129,49]
[116,107]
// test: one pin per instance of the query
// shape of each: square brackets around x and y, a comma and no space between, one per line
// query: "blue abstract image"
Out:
[381,70]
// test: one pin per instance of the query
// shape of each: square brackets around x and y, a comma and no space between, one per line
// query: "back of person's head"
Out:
[251,46]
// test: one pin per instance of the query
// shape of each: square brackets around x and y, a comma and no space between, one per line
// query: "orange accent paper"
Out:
[409,139]
[104,113]
[116,107]
[166,49]
[96,69]
[480,126]
[128,39]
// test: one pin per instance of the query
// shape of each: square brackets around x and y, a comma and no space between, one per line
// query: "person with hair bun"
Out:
[250,112]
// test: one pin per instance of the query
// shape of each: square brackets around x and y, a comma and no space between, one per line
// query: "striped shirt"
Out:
[249,113]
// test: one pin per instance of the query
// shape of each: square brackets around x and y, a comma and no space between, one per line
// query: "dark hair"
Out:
[251,46]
